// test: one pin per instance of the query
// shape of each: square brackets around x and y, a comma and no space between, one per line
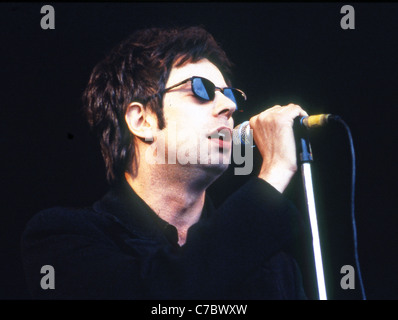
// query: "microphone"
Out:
[318,120]
[242,134]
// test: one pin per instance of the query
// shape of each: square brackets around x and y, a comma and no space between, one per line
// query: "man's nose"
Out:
[223,105]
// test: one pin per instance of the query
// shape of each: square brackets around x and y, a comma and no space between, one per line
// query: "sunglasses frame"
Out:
[198,96]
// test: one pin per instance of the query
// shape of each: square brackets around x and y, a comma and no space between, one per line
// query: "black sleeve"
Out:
[251,227]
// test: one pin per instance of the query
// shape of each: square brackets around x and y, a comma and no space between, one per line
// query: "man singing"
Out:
[162,95]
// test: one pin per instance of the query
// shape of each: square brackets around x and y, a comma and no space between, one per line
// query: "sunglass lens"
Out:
[235,96]
[203,88]
[230,94]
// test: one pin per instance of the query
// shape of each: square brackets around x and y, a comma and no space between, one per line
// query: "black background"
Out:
[283,53]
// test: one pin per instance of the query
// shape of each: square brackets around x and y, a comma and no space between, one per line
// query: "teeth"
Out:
[221,134]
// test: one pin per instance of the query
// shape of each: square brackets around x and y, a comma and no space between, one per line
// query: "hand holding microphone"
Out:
[243,135]
[273,135]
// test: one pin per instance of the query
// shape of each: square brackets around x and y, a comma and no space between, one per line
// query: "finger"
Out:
[276,107]
[294,110]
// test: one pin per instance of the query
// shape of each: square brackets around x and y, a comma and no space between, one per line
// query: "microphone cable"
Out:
[353,178]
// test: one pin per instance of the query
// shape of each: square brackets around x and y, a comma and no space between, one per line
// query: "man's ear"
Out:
[141,122]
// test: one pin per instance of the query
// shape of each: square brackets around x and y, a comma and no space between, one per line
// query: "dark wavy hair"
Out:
[134,70]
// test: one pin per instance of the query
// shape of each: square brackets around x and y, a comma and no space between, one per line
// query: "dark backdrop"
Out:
[283,53]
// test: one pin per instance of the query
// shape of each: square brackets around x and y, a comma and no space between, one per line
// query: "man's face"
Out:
[197,133]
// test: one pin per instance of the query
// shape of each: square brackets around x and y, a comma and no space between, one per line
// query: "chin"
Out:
[216,169]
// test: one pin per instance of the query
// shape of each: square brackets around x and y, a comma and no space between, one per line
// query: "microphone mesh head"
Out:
[240,133]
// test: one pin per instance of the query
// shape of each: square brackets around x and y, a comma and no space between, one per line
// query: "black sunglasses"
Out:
[204,89]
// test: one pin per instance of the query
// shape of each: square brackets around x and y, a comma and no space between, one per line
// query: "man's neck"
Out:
[173,198]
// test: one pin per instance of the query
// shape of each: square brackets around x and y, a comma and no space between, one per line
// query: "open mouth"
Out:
[222,136]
